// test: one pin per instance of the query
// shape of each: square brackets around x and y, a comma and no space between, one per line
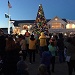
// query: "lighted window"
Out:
[56,25]
[25,27]
[70,26]
[56,19]
[16,30]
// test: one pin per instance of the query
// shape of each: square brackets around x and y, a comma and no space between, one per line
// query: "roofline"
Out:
[26,20]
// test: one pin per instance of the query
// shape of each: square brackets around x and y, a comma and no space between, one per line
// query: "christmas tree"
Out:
[40,24]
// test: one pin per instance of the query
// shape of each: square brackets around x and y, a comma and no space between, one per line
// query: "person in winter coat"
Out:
[46,59]
[52,49]
[22,67]
[23,47]
[43,43]
[11,56]
[70,44]
[60,45]
[32,48]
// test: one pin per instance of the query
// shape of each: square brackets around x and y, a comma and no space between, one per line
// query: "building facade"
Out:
[55,25]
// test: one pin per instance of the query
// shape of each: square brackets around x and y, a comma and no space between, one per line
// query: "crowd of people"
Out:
[15,49]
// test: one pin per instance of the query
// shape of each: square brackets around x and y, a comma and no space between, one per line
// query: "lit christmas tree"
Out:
[40,24]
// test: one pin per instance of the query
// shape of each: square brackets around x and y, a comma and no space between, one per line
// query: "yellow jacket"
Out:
[42,39]
[32,44]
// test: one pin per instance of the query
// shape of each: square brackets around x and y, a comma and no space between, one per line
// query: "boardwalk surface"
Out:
[60,68]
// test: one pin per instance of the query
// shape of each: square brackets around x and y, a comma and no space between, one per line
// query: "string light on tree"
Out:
[40,23]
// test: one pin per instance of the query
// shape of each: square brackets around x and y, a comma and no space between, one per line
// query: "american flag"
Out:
[9,5]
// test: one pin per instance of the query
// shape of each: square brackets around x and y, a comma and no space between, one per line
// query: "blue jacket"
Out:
[46,58]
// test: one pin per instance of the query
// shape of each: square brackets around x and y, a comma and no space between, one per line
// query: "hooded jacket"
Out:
[42,39]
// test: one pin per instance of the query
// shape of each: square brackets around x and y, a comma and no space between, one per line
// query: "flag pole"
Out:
[9,6]
[8,21]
